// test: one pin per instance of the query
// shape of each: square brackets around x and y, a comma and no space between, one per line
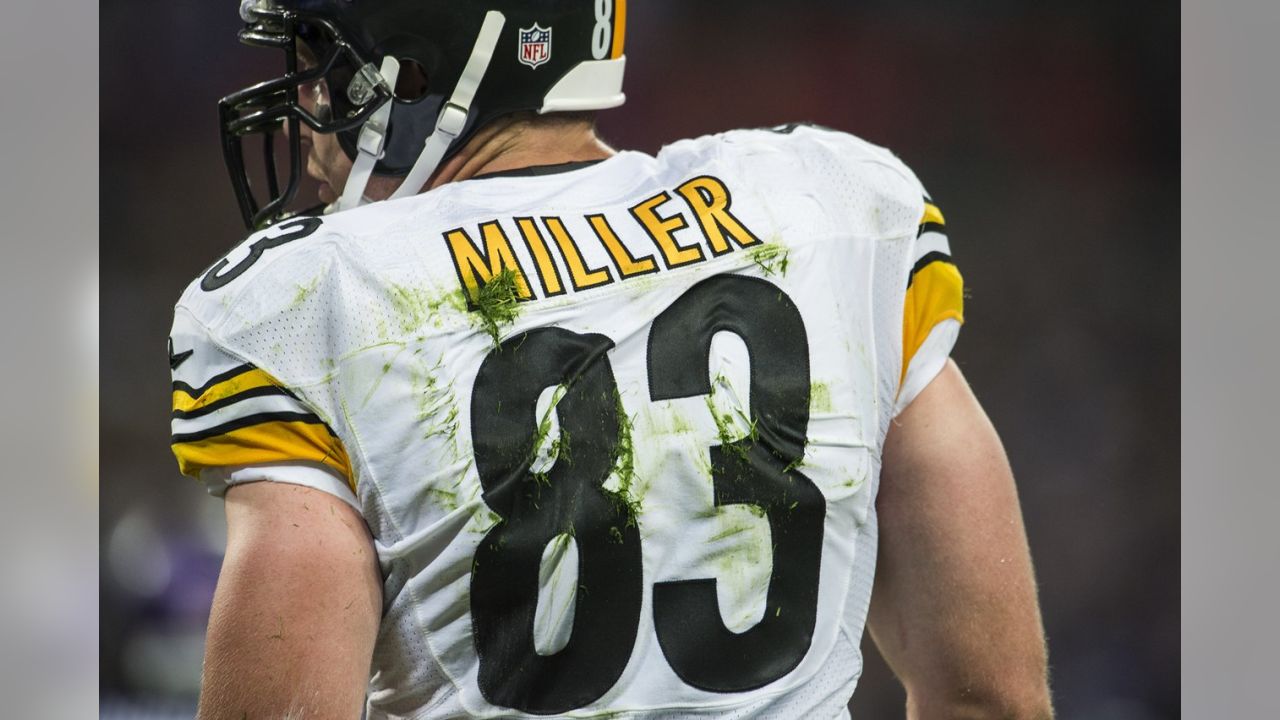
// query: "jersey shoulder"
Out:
[253,267]
[252,337]
[873,191]
[292,270]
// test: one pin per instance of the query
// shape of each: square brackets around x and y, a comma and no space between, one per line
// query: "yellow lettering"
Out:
[710,200]
[476,267]
[627,265]
[661,230]
[581,276]
[548,273]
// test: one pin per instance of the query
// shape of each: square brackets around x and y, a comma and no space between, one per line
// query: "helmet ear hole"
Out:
[411,85]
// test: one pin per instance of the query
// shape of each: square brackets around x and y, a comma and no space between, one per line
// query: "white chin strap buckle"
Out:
[372,141]
[456,111]
[452,120]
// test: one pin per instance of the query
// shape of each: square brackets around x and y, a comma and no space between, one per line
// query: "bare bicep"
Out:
[297,607]
[954,608]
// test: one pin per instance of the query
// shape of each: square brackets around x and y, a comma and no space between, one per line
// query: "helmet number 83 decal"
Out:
[602,35]
[570,498]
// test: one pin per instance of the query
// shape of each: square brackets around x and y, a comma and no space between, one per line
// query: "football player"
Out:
[518,425]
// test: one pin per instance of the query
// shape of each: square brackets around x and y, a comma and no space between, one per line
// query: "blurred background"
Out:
[1048,133]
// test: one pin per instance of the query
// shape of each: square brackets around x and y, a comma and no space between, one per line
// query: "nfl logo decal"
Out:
[535,45]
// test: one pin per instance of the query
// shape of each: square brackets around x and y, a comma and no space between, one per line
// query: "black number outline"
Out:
[537,507]
[761,470]
[215,279]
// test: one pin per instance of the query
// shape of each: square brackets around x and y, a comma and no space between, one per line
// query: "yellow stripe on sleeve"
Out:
[186,399]
[932,215]
[268,442]
[936,294]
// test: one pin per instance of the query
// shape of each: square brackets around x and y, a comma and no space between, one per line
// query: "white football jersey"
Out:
[616,429]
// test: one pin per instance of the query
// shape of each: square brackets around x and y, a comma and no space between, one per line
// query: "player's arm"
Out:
[296,611]
[954,609]
[298,602]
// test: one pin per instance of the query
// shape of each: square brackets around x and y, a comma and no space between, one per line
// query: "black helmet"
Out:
[481,59]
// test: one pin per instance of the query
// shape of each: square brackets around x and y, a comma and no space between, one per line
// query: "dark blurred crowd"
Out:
[1047,132]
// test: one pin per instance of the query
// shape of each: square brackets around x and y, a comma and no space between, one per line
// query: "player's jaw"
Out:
[327,163]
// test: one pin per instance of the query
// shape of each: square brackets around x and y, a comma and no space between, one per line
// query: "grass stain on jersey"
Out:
[437,406]
[304,291]
[446,428]
[680,424]
[820,398]
[497,304]
[771,258]
[546,454]
[727,430]
[416,308]
[743,560]
[629,494]
[446,499]
[410,305]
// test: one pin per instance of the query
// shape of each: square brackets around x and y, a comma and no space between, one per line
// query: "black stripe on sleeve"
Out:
[263,391]
[925,261]
[248,421]
[931,227]
[219,378]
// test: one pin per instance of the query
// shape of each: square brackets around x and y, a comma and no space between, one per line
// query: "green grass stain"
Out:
[703,462]
[557,449]
[544,423]
[753,431]
[437,405]
[303,292]
[560,448]
[742,560]
[680,424]
[725,431]
[771,258]
[415,307]
[820,398]
[728,532]
[447,499]
[446,428]
[497,304]
[485,521]
[410,305]
[386,369]
[455,300]
[628,495]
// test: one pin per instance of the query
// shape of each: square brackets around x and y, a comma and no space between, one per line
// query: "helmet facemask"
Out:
[467,61]
[356,91]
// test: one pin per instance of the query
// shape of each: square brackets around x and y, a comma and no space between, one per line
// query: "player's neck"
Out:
[515,145]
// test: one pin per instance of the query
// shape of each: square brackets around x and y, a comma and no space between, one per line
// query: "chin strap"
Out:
[373,136]
[453,117]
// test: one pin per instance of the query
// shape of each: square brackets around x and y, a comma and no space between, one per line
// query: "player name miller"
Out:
[704,201]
